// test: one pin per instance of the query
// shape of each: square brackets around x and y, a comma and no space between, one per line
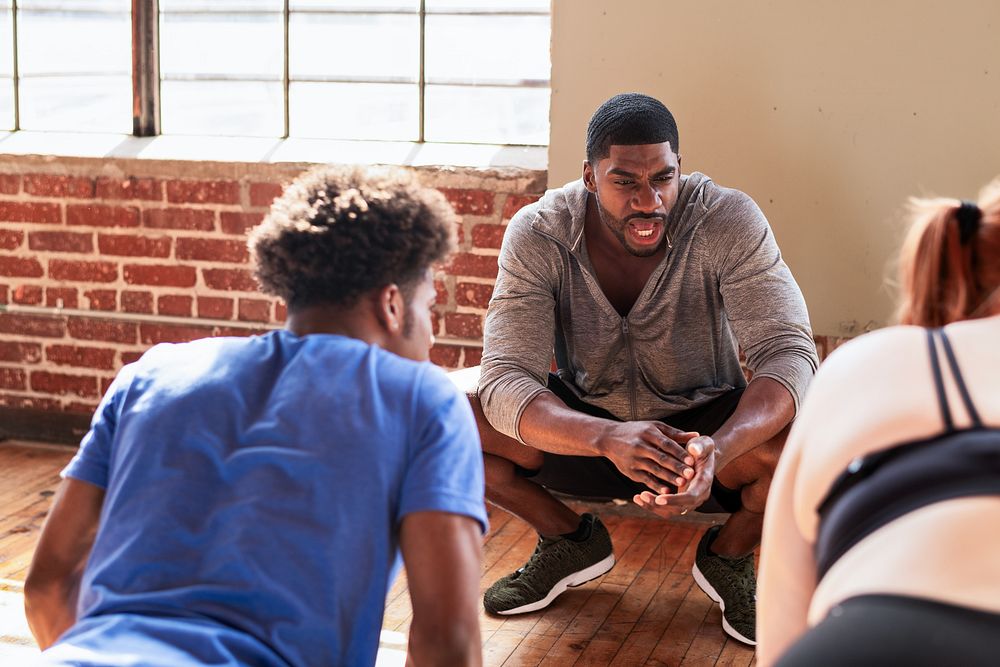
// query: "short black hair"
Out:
[337,233]
[629,119]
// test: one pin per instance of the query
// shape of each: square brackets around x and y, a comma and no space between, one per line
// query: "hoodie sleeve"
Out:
[762,301]
[520,324]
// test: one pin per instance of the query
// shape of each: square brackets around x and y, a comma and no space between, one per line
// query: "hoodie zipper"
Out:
[631,369]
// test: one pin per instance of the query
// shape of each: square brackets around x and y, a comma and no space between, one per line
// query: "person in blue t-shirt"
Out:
[247,501]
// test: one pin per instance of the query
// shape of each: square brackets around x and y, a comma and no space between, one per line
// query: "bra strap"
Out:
[962,389]
[939,383]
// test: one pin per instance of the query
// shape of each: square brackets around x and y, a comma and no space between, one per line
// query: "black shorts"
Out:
[898,630]
[596,477]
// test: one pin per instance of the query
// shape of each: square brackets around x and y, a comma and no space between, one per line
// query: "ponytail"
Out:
[949,267]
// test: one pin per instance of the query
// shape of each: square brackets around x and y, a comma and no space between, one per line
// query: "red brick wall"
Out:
[137,252]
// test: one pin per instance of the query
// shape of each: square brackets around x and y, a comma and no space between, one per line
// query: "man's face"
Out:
[415,339]
[635,188]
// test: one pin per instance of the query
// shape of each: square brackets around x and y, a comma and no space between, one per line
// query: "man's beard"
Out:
[617,227]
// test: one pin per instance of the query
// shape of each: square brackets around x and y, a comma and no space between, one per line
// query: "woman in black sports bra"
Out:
[882,534]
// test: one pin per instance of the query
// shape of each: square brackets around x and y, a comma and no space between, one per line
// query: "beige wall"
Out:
[828,114]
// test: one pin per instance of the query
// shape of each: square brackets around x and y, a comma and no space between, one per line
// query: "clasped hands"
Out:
[658,455]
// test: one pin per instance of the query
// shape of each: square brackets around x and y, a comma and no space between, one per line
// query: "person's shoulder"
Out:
[857,359]
[724,203]
[558,215]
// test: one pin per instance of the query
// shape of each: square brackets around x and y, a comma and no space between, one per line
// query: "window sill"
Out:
[265,150]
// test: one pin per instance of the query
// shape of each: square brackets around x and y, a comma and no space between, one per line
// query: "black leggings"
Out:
[897,630]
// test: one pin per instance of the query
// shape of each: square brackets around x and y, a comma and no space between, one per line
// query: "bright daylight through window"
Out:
[473,71]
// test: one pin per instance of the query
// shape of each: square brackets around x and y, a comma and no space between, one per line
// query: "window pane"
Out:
[357,5]
[477,48]
[226,108]
[73,42]
[77,103]
[225,6]
[6,40]
[489,5]
[487,115]
[373,45]
[6,104]
[221,44]
[74,62]
[354,111]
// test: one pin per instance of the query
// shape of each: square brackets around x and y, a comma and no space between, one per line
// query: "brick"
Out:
[31,325]
[29,295]
[254,310]
[203,192]
[435,323]
[160,275]
[80,407]
[108,331]
[102,299]
[174,305]
[29,353]
[14,211]
[280,312]
[515,203]
[4,293]
[10,240]
[10,184]
[47,185]
[131,245]
[130,357]
[264,194]
[473,202]
[215,307]
[238,223]
[148,189]
[20,267]
[30,403]
[62,384]
[81,357]
[151,334]
[179,218]
[463,325]
[61,297]
[474,295]
[237,280]
[99,215]
[137,302]
[76,271]
[487,236]
[467,264]
[212,250]
[442,296]
[447,356]
[61,242]
[471,356]
[13,378]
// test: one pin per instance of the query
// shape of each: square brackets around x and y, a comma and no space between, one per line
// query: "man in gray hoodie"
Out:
[642,284]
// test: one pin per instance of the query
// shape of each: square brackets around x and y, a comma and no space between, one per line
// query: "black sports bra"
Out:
[882,486]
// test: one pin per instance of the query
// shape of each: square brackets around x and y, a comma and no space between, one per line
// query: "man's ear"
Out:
[589,180]
[390,308]
[678,162]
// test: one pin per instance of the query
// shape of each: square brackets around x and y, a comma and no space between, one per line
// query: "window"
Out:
[400,70]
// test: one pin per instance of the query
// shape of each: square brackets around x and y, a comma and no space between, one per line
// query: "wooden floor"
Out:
[645,611]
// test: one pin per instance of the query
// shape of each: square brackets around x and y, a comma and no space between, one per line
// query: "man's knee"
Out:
[493,441]
[758,464]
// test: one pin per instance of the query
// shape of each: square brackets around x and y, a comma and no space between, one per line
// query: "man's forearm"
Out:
[549,425]
[765,408]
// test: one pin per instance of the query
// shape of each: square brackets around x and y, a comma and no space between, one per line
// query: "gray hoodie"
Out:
[723,284]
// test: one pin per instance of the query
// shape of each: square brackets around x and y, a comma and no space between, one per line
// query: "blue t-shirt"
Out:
[254,491]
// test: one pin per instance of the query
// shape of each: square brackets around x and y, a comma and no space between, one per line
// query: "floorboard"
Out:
[645,611]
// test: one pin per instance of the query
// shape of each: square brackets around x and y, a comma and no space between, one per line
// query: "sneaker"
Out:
[557,564]
[731,583]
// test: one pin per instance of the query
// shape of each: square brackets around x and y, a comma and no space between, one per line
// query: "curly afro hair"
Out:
[337,233]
